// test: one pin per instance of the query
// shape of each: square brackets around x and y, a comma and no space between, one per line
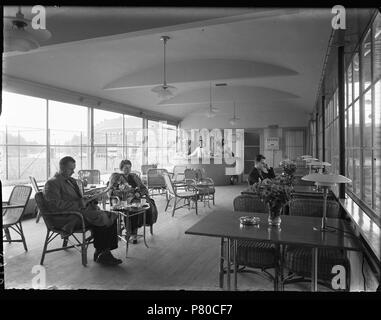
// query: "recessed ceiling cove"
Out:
[229,93]
[199,70]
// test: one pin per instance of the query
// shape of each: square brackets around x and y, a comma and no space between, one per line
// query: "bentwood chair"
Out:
[173,193]
[56,225]
[90,176]
[36,189]
[252,255]
[13,212]
[155,181]
[298,260]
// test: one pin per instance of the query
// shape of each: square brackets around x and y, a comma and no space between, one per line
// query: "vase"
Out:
[274,218]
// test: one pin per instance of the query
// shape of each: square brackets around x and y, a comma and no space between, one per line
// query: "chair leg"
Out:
[168,200]
[222,264]
[45,248]
[8,235]
[151,229]
[84,250]
[23,237]
[174,206]
[38,216]
[196,205]
[65,241]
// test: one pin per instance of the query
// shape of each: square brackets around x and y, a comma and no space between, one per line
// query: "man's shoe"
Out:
[135,241]
[107,258]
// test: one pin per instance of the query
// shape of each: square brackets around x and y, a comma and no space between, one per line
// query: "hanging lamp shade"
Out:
[20,36]
[164,91]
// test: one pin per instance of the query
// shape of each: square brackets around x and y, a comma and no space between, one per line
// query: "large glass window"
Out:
[377,48]
[377,146]
[108,141]
[363,121]
[366,61]
[161,144]
[68,128]
[22,138]
[134,141]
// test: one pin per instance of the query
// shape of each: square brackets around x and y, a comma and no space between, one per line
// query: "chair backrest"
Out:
[168,184]
[155,178]
[34,184]
[20,196]
[42,206]
[145,167]
[190,174]
[136,172]
[314,208]
[91,176]
[249,203]
[178,172]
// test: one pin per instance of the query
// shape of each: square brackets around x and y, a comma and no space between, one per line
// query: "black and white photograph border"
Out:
[135,141]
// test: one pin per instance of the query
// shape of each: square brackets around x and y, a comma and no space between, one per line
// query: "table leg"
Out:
[277,259]
[235,263]
[228,263]
[281,279]
[314,269]
[222,263]
[128,231]
[144,229]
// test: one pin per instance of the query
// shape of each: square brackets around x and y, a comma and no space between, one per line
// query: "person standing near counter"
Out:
[260,170]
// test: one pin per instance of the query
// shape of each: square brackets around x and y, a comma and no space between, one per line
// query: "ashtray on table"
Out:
[249,220]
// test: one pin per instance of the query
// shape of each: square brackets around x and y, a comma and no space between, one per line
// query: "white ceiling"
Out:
[270,57]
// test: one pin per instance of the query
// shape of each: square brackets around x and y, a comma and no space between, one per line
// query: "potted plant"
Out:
[275,193]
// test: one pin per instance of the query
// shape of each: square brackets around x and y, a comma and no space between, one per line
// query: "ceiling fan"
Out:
[19,35]
[164,91]
[212,111]
[233,121]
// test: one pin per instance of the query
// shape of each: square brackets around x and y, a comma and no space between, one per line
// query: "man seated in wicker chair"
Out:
[62,193]
[260,170]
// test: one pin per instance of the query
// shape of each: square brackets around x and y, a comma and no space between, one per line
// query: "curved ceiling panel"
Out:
[199,70]
[229,93]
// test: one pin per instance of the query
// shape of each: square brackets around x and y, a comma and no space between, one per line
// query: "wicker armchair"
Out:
[298,260]
[36,189]
[173,193]
[144,169]
[90,176]
[53,230]
[13,211]
[254,254]
[155,181]
[204,185]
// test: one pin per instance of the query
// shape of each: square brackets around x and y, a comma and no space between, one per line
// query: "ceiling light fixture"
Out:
[20,36]
[164,91]
[233,121]
[211,113]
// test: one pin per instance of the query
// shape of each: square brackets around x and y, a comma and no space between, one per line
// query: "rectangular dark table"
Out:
[294,230]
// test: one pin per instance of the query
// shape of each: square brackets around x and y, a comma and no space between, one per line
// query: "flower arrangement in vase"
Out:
[289,168]
[275,193]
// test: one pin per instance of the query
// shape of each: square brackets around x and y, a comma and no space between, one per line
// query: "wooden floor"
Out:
[173,260]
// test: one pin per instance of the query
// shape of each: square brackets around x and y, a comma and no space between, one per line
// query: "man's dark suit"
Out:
[63,194]
[255,175]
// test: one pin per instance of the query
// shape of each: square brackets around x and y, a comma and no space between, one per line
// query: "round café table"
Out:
[125,213]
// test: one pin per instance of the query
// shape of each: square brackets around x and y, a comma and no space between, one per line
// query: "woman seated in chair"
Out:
[125,185]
